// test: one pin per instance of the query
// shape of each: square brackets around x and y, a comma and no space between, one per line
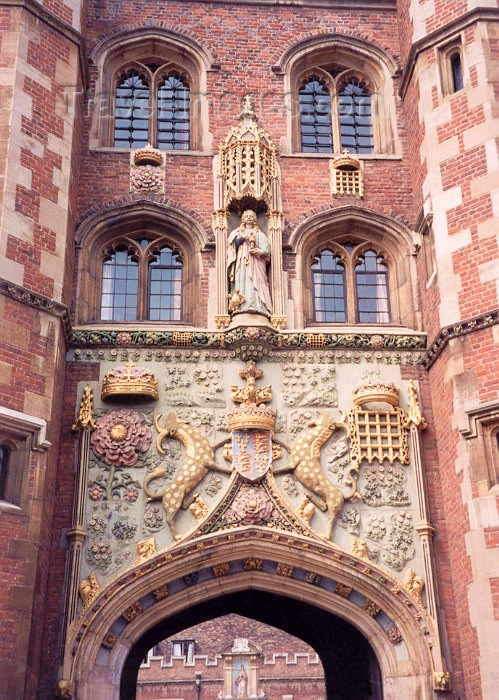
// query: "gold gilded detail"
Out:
[414,584]
[441,680]
[343,590]
[284,569]
[304,460]
[378,435]
[199,457]
[85,417]
[370,607]
[359,548]
[306,509]
[221,569]
[89,590]
[161,592]
[278,322]
[132,612]
[109,640]
[63,689]
[198,508]
[222,321]
[250,414]
[145,550]
[253,564]
[130,380]
[414,410]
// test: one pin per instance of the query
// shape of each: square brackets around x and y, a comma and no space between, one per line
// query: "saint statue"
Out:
[247,257]
[242,683]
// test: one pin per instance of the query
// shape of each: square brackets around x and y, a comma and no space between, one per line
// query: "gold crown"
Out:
[251,416]
[346,161]
[148,156]
[130,380]
[373,390]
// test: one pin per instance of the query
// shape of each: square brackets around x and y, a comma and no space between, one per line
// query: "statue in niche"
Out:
[247,257]
[242,683]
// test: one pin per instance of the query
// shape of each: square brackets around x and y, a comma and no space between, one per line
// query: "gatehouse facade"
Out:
[248,362]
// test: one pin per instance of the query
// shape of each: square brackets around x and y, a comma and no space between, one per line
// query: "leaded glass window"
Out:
[120,279]
[315,117]
[153,105]
[371,285]
[354,109]
[174,113]
[328,279]
[131,124]
[165,286]
[457,71]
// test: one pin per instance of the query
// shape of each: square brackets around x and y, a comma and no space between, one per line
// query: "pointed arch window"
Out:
[371,286]
[315,117]
[152,105]
[328,279]
[354,111]
[142,280]
[350,284]
[165,271]
[456,71]
[336,111]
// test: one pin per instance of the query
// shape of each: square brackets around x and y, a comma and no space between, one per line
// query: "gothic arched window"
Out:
[350,284]
[354,111]
[456,71]
[328,280]
[142,280]
[335,112]
[152,105]
[315,116]
[371,288]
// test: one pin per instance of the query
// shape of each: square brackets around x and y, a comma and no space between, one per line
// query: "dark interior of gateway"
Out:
[351,669]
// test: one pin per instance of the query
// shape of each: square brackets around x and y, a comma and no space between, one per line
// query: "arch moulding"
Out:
[400,631]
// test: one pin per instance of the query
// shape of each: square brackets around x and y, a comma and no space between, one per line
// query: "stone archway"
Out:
[350,666]
[319,575]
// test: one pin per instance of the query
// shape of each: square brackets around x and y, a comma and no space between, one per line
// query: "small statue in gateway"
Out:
[247,257]
[242,683]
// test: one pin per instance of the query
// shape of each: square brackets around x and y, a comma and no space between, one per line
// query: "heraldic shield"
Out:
[252,453]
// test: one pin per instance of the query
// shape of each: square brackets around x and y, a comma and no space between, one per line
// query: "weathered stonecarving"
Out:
[319,203]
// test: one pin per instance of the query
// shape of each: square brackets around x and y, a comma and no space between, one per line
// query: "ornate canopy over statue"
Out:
[249,258]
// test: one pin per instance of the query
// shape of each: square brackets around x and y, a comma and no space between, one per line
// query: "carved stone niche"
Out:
[247,176]
[240,671]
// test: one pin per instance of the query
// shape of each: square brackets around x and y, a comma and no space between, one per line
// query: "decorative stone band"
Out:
[38,301]
[261,340]
[476,323]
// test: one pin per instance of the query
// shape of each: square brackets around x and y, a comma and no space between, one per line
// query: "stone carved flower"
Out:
[147,178]
[95,493]
[100,555]
[252,507]
[120,436]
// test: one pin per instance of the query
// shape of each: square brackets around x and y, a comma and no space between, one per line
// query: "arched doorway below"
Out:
[350,668]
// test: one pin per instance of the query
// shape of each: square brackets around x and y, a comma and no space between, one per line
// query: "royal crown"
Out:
[148,156]
[251,416]
[373,390]
[130,380]
[345,160]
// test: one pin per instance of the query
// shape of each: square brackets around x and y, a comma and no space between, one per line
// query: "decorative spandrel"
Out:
[271,451]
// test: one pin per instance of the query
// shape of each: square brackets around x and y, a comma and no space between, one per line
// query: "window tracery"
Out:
[141,280]
[335,108]
[350,283]
[152,105]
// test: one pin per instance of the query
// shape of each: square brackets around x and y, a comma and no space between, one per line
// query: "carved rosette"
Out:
[147,173]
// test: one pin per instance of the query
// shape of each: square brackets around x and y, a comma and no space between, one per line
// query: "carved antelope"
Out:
[304,460]
[198,458]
